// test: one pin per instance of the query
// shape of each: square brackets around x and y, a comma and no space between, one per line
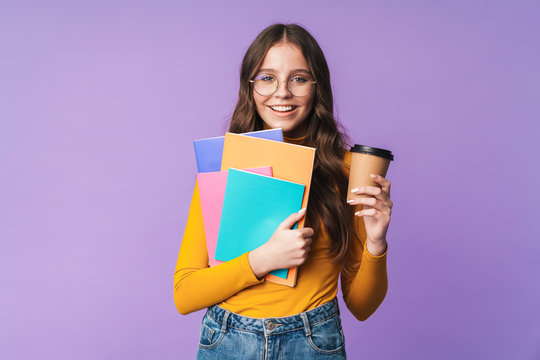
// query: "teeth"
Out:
[282,108]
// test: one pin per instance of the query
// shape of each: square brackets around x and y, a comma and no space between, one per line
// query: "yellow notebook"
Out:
[288,161]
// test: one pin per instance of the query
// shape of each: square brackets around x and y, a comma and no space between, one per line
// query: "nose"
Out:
[283,90]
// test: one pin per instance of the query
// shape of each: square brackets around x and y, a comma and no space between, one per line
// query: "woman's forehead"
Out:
[301,70]
[284,57]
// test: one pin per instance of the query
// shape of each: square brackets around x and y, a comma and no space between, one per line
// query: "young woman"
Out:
[285,83]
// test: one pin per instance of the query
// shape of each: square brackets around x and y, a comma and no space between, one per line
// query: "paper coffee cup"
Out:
[367,160]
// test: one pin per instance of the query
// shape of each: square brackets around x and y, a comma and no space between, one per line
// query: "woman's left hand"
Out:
[376,211]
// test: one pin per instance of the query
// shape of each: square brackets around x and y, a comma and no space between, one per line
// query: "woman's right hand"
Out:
[286,248]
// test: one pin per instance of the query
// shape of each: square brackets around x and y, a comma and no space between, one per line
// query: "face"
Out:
[282,109]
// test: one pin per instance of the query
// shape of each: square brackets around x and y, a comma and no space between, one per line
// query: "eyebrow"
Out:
[293,71]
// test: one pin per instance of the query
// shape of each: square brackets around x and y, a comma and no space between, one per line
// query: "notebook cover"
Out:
[208,151]
[253,207]
[212,191]
[288,161]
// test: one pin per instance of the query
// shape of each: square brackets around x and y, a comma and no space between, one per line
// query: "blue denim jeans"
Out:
[314,334]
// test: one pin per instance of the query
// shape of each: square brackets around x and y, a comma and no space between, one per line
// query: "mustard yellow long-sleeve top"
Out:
[234,287]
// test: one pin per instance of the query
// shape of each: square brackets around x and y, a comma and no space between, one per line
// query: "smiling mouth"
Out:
[283,108]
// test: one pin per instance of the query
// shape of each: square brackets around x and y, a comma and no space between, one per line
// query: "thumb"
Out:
[292,219]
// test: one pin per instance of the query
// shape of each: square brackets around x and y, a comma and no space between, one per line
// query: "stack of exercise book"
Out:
[248,184]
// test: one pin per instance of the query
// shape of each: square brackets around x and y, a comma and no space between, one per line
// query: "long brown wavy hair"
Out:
[329,182]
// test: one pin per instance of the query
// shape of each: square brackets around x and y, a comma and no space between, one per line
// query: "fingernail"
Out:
[357,213]
[373,176]
[350,201]
[354,190]
[302,211]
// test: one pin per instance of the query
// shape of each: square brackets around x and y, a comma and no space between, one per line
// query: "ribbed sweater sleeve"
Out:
[365,282]
[197,286]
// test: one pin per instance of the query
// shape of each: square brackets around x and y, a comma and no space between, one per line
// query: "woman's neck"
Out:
[289,139]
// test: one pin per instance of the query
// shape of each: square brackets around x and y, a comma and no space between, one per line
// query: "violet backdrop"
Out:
[100,102]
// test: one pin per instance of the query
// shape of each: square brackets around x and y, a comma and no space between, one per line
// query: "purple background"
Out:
[100,102]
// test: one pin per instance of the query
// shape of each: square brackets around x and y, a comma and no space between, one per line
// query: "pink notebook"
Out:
[212,192]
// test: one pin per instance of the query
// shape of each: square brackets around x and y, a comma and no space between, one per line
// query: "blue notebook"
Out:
[253,207]
[208,152]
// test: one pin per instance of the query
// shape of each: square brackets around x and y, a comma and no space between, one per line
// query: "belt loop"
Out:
[307,328]
[336,305]
[224,323]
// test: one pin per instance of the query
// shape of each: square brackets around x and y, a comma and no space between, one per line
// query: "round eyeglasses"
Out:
[298,85]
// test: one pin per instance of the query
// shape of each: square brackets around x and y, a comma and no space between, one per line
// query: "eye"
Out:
[265,77]
[299,79]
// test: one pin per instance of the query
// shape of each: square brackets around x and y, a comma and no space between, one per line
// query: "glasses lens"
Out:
[300,85]
[265,84]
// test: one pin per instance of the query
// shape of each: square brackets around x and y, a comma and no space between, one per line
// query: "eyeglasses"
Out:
[298,85]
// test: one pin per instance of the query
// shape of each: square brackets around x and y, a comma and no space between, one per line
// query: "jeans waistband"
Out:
[276,325]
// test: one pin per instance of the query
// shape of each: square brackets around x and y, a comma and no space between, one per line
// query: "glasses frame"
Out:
[277,87]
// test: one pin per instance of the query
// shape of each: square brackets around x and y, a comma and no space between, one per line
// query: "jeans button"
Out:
[270,325]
